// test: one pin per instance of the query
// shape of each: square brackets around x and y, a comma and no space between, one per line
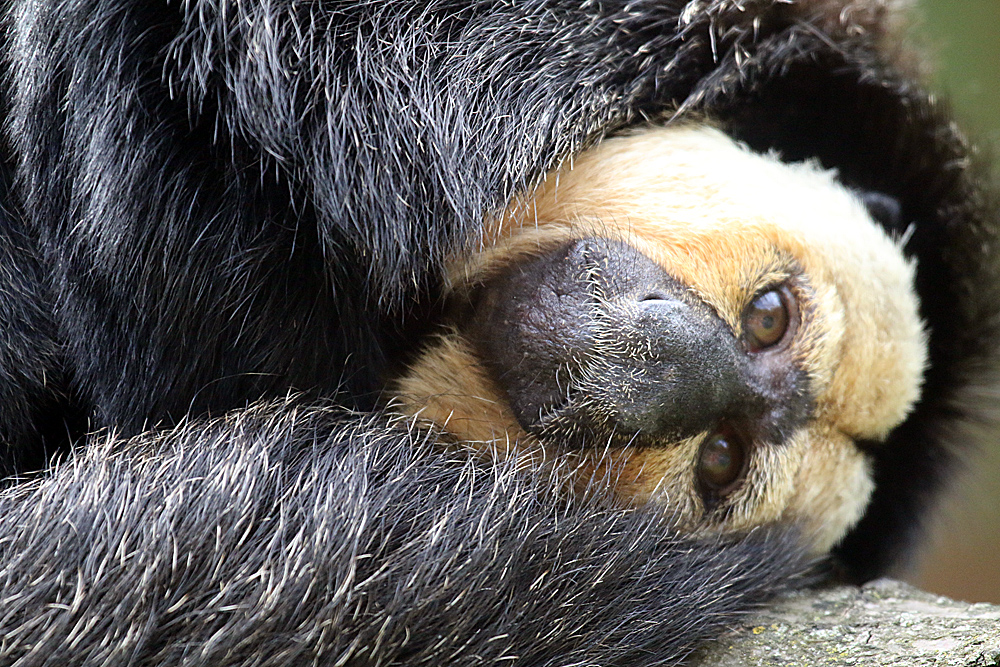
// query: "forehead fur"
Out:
[729,222]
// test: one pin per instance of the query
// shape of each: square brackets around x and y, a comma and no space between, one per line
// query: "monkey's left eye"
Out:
[767,319]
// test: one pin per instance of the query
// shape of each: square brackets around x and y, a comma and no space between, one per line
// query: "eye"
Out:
[721,463]
[767,319]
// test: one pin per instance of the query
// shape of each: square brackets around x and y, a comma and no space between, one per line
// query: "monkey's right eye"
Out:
[722,461]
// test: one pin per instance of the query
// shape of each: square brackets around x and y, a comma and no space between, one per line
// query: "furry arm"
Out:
[282,536]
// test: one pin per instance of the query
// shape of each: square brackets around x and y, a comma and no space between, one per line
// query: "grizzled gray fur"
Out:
[283,536]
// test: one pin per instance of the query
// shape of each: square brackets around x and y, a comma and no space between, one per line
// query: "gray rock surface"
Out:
[881,624]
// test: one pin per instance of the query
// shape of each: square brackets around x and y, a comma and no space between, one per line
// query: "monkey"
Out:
[240,239]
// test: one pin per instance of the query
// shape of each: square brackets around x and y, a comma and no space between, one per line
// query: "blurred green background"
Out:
[962,558]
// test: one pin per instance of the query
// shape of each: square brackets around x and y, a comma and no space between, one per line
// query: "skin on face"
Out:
[716,242]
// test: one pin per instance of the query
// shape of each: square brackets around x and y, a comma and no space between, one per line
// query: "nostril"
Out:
[659,304]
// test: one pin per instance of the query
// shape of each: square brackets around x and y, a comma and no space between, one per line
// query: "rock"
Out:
[880,624]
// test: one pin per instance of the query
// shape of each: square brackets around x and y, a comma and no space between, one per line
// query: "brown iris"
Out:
[766,319]
[721,462]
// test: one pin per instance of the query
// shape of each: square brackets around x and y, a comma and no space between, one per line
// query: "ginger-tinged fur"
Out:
[726,223]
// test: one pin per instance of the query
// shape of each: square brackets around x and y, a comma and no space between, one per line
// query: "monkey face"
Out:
[704,327]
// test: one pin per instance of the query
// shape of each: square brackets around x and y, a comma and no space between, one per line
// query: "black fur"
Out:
[35,411]
[221,202]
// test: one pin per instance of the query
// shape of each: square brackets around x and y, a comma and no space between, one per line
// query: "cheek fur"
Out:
[448,387]
[832,487]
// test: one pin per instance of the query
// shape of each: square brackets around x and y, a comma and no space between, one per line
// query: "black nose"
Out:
[595,340]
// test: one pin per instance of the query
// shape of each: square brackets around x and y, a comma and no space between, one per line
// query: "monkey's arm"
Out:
[279,536]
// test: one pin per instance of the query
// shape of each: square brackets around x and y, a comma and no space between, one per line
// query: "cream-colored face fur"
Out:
[726,223]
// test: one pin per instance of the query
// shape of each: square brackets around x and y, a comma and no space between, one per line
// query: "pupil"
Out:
[768,322]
